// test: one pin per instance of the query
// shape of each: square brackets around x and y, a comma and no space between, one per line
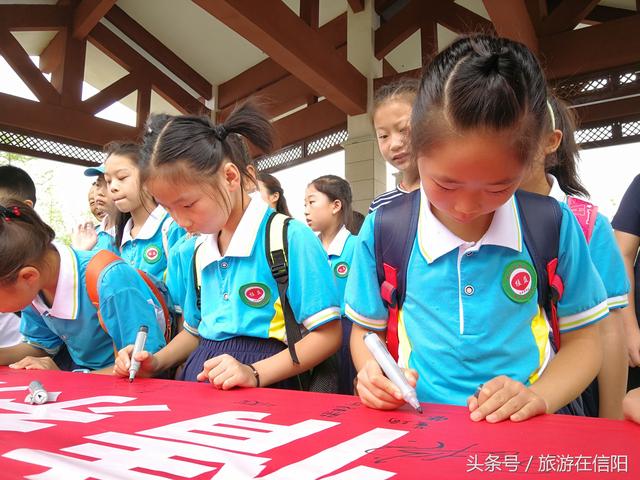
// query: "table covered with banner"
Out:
[104,427]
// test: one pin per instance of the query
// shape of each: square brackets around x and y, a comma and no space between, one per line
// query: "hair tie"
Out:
[220,132]
[551,115]
[7,214]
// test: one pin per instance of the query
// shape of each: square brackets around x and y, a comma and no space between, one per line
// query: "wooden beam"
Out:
[62,122]
[22,65]
[600,47]
[143,106]
[513,22]
[602,14]
[428,40]
[73,71]
[608,111]
[567,16]
[537,11]
[52,56]
[391,34]
[127,57]
[458,19]
[87,16]
[310,12]
[387,68]
[268,71]
[379,82]
[271,26]
[159,50]
[356,5]
[316,118]
[111,94]
[34,17]
[381,5]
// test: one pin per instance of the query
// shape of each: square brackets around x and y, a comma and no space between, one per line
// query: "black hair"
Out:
[273,185]
[358,220]
[482,82]
[563,163]
[337,188]
[16,183]
[24,238]
[405,88]
[203,145]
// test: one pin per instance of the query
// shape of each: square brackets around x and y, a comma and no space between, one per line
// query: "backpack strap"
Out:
[277,250]
[586,213]
[95,267]
[196,269]
[168,327]
[540,217]
[395,227]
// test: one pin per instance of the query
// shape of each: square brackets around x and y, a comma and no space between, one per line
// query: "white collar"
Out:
[337,244]
[436,240]
[65,302]
[111,231]
[150,227]
[243,238]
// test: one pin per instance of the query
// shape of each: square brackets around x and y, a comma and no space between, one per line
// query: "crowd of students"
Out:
[199,248]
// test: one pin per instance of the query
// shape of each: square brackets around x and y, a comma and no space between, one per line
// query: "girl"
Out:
[391,115]
[475,129]
[554,173]
[46,280]
[272,193]
[327,208]
[235,336]
[145,232]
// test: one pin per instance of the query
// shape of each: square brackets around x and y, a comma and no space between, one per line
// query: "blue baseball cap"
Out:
[94,171]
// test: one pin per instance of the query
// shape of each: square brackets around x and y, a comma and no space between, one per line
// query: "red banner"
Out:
[103,427]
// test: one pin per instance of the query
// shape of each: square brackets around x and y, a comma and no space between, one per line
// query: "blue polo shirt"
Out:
[180,267]
[126,303]
[471,309]
[605,255]
[106,239]
[340,253]
[147,251]
[239,294]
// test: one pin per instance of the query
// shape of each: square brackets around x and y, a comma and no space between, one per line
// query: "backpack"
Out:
[324,376]
[104,258]
[397,221]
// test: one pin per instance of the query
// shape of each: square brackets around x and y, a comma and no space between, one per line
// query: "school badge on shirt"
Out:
[341,269]
[255,295]
[519,281]
[152,254]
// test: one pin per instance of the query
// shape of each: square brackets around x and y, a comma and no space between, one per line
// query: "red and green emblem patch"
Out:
[152,254]
[341,269]
[255,295]
[519,281]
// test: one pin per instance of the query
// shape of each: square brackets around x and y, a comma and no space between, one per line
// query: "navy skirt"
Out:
[246,350]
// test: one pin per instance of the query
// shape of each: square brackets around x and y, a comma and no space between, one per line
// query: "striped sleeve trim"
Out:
[193,331]
[582,319]
[369,323]
[50,351]
[322,317]
[620,301]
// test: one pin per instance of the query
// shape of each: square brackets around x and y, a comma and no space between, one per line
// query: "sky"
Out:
[606,172]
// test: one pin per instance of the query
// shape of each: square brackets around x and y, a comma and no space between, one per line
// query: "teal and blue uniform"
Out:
[179,269]
[126,303]
[106,239]
[471,310]
[340,253]
[148,251]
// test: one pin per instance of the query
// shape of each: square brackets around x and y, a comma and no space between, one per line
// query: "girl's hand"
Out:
[633,346]
[503,398]
[84,236]
[35,363]
[377,391]
[225,372]
[123,362]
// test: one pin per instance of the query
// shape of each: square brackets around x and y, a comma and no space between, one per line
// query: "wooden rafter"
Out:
[268,72]
[566,16]
[459,19]
[602,14]
[127,57]
[428,39]
[20,62]
[356,5]
[143,107]
[391,34]
[599,47]
[607,111]
[274,28]
[310,12]
[537,11]
[87,15]
[316,118]
[111,94]
[159,50]
[34,17]
[379,82]
[514,22]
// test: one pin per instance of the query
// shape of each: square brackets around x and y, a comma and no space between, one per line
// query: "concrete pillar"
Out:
[365,168]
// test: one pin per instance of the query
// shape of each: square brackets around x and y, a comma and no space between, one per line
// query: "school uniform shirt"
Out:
[148,251]
[471,309]
[340,252]
[386,197]
[239,294]
[627,218]
[180,266]
[605,255]
[126,303]
[106,238]
[9,330]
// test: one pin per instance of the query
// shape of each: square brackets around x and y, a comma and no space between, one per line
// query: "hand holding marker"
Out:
[141,338]
[391,369]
